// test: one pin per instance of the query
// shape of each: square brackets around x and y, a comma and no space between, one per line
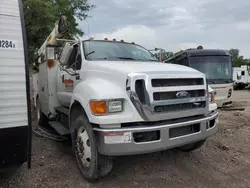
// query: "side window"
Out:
[75,60]
[242,73]
[72,58]
[78,60]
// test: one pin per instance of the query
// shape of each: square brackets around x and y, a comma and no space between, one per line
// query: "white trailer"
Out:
[241,76]
[15,114]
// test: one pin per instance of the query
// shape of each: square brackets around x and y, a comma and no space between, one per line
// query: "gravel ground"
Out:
[224,161]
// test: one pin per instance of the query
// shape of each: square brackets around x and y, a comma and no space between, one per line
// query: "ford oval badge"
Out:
[182,94]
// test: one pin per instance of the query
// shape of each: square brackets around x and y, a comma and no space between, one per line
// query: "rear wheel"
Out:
[192,146]
[91,163]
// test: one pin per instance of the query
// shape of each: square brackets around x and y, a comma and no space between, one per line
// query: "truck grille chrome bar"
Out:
[159,98]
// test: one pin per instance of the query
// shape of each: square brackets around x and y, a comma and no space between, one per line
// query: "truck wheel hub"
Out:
[83,146]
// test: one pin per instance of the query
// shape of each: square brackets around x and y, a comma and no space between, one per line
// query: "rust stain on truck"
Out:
[51,63]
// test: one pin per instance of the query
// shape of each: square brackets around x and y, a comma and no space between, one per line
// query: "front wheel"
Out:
[91,163]
[192,146]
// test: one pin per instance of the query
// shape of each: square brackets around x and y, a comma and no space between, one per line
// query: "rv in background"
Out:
[215,64]
[241,76]
[15,115]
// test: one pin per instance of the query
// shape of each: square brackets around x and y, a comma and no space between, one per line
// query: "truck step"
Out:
[62,110]
[59,128]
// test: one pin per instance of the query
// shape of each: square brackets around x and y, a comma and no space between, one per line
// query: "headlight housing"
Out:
[104,107]
[211,97]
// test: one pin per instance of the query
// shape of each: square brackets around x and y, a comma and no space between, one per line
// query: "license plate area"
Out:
[184,130]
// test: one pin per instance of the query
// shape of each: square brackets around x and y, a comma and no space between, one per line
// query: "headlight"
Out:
[115,106]
[211,97]
[106,106]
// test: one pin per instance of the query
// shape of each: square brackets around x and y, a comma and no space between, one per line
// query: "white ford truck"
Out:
[114,98]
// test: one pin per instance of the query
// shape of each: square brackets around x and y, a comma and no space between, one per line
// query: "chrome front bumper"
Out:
[128,146]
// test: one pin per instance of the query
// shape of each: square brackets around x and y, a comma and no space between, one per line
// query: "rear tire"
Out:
[90,162]
[192,146]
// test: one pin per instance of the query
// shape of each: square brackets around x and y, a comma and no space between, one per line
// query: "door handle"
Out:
[62,78]
[42,88]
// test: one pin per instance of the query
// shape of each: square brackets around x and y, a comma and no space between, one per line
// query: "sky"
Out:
[172,25]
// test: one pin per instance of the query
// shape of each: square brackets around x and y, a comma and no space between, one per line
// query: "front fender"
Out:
[99,89]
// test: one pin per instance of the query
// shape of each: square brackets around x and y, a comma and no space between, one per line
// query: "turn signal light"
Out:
[98,107]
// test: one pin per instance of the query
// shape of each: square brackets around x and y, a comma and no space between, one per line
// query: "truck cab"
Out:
[241,76]
[114,98]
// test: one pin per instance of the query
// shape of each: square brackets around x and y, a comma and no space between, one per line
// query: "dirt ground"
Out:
[224,161]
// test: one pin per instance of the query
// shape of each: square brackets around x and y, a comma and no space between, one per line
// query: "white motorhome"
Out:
[114,98]
[216,65]
[15,116]
[241,76]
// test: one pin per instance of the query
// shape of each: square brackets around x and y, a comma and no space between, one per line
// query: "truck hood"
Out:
[126,67]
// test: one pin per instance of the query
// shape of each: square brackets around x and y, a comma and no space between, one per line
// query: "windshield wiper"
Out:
[130,58]
[125,58]
[89,53]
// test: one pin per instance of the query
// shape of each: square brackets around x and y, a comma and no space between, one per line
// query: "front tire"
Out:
[91,163]
[192,146]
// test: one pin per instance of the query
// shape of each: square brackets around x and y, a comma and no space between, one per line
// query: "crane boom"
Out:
[60,30]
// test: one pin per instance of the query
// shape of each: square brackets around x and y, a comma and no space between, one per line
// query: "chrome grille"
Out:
[179,107]
[160,96]
[173,94]
[176,82]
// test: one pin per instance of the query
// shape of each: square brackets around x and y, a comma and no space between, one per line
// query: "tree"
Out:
[41,15]
[176,53]
[165,55]
[237,59]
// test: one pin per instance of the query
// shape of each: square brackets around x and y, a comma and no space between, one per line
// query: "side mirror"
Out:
[238,76]
[65,54]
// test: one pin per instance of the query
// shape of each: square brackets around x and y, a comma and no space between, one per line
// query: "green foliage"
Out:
[237,59]
[176,53]
[41,15]
[165,55]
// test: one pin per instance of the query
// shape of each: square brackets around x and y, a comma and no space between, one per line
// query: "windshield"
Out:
[218,69]
[109,50]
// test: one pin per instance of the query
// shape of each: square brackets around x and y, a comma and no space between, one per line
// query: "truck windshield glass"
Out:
[109,50]
[218,69]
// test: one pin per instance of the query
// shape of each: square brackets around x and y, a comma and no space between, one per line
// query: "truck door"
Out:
[69,76]
[15,108]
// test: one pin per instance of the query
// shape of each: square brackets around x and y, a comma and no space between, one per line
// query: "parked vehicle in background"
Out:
[217,66]
[15,114]
[241,76]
